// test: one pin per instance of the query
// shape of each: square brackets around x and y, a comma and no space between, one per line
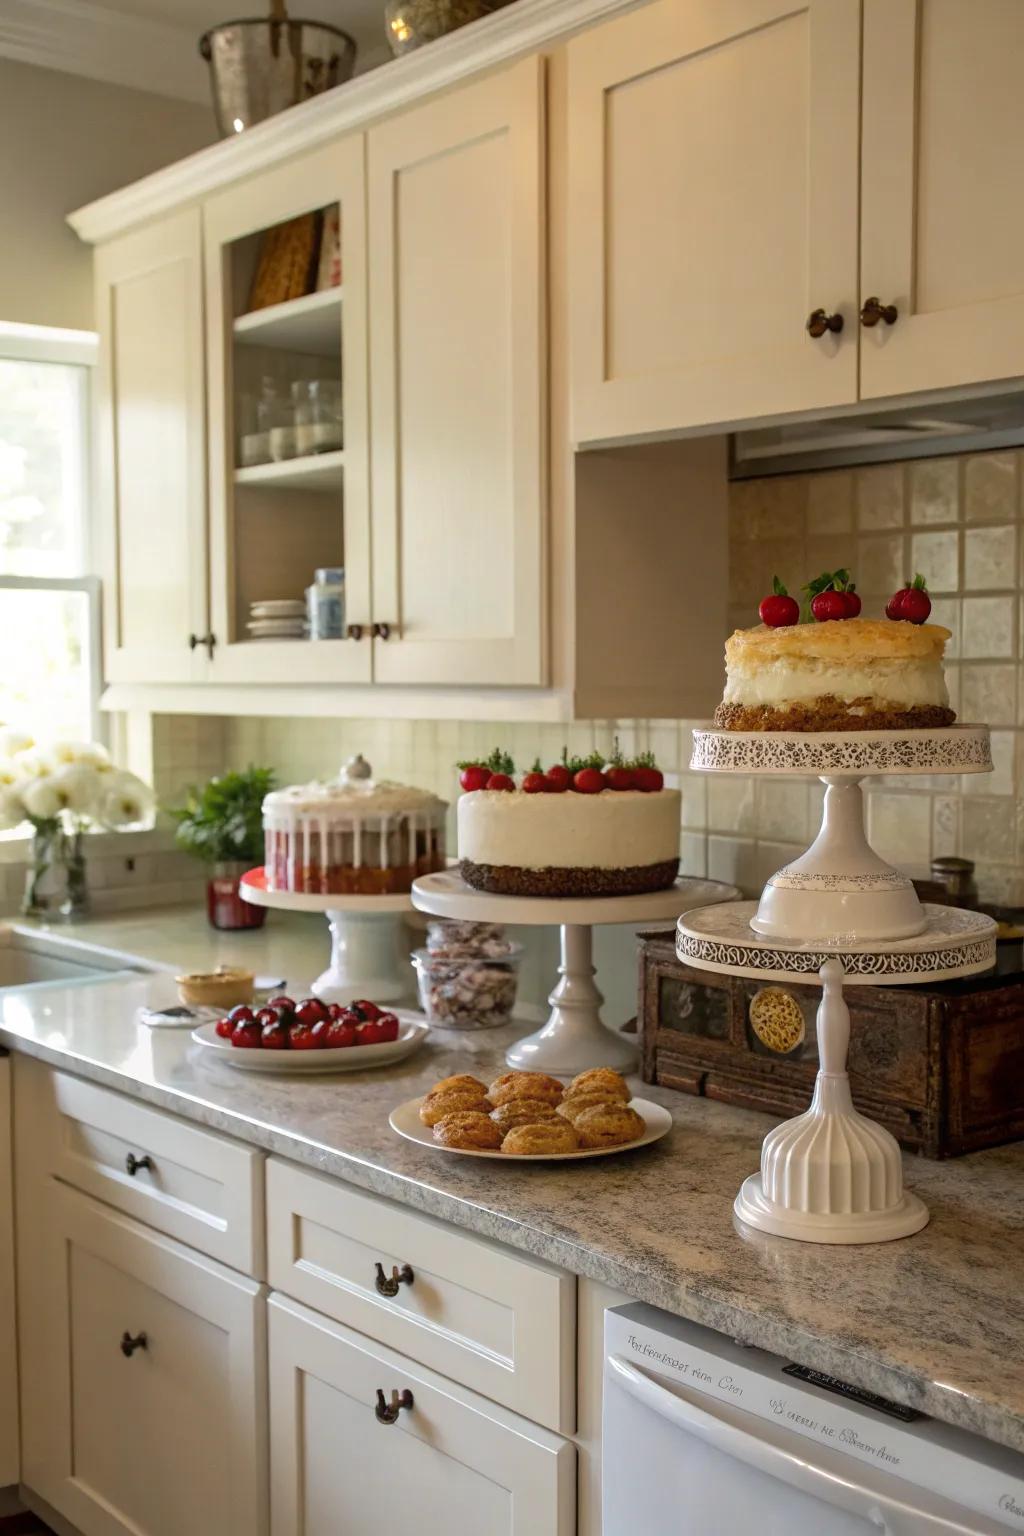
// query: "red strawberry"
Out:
[321,1033]
[829,605]
[247,1035]
[911,603]
[621,778]
[852,602]
[365,1009]
[559,778]
[779,610]
[371,1032]
[275,1037]
[474,776]
[310,1011]
[342,1031]
[535,784]
[302,1037]
[388,1024]
[500,781]
[589,781]
[241,1014]
[284,1003]
[223,1028]
[649,779]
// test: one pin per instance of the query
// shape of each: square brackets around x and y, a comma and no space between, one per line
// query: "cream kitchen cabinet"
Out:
[942,233]
[151,458]
[143,1377]
[713,162]
[458,365]
[366,1441]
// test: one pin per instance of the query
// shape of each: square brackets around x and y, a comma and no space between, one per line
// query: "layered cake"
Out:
[592,830]
[838,672]
[352,836]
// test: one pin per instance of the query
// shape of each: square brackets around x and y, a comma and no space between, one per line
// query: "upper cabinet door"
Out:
[713,162]
[942,223]
[151,460]
[289,434]
[456,211]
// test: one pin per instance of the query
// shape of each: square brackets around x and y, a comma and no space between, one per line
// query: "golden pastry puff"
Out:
[525,1085]
[609,1125]
[469,1130]
[460,1080]
[601,1080]
[549,1137]
[436,1105]
[523,1112]
[574,1105]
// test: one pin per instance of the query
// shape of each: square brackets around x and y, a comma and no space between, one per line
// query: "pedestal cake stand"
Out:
[839,912]
[366,959]
[574,1037]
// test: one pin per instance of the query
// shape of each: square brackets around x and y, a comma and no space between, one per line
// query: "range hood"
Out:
[914,430]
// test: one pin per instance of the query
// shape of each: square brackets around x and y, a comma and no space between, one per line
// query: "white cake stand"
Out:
[840,886]
[367,959]
[831,1175]
[574,1037]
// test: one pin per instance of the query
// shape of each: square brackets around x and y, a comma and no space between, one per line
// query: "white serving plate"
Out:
[277,607]
[413,1030]
[405,1120]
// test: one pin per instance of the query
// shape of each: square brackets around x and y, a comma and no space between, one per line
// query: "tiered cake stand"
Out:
[367,959]
[574,1037]
[831,1175]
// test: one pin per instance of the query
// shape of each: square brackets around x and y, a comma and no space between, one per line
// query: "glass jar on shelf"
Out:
[318,416]
[325,603]
[281,415]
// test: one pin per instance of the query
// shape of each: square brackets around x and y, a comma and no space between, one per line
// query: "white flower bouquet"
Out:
[64,790]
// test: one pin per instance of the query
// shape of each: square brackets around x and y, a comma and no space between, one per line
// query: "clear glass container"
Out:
[318,415]
[325,603]
[467,992]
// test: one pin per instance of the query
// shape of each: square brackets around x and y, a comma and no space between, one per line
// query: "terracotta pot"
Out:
[224,905]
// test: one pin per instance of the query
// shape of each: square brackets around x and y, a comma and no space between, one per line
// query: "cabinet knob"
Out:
[388,1285]
[382,631]
[194,641]
[133,1164]
[874,310]
[131,1342]
[355,631]
[387,1413]
[819,322]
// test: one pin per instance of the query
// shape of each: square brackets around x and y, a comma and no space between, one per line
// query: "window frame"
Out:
[51,344]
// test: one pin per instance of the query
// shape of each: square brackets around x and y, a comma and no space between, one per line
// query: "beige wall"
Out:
[67,140]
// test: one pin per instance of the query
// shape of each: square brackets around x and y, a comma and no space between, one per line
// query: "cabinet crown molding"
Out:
[526,26]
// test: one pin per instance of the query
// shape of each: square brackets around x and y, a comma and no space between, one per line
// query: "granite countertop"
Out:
[935,1321]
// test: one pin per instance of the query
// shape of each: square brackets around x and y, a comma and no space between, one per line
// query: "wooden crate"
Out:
[942,1067]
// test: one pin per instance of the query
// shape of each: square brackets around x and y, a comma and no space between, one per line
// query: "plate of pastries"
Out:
[531,1116]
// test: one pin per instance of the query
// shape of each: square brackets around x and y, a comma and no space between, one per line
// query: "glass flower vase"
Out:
[44,884]
[75,902]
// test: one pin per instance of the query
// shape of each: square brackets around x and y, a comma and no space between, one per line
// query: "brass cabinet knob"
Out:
[874,310]
[355,631]
[133,1164]
[820,322]
[131,1342]
[382,631]
[387,1413]
[194,641]
[387,1285]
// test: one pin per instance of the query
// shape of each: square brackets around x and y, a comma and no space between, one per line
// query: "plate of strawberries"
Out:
[310,1036]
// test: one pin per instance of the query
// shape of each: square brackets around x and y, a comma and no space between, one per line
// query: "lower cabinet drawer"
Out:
[143,1377]
[490,1319]
[192,1184]
[346,1458]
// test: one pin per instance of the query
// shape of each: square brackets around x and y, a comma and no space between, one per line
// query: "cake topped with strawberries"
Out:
[826,668]
[586,826]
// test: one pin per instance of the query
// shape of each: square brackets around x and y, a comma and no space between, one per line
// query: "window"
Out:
[49,605]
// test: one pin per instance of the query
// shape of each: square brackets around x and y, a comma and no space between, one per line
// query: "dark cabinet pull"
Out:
[387,1413]
[133,1164]
[820,322]
[131,1342]
[388,1285]
[195,641]
[382,631]
[355,631]
[874,310]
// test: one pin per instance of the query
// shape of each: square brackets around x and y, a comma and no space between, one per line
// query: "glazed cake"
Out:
[848,674]
[352,836]
[564,833]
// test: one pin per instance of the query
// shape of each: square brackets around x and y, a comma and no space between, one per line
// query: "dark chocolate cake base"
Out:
[511,880]
[831,714]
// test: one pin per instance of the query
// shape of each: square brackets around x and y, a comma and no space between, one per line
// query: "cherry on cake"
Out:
[839,672]
[352,836]
[580,828]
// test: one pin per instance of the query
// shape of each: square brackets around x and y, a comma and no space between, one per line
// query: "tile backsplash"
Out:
[956,520]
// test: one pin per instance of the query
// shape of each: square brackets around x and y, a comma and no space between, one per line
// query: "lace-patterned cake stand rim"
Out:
[952,749]
[955,943]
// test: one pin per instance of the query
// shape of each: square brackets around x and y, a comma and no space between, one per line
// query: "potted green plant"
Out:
[221,823]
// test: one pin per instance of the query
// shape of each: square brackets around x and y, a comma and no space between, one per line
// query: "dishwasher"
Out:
[703,1436]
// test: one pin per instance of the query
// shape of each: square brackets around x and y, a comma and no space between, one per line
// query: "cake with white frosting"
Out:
[595,830]
[352,836]
[849,674]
